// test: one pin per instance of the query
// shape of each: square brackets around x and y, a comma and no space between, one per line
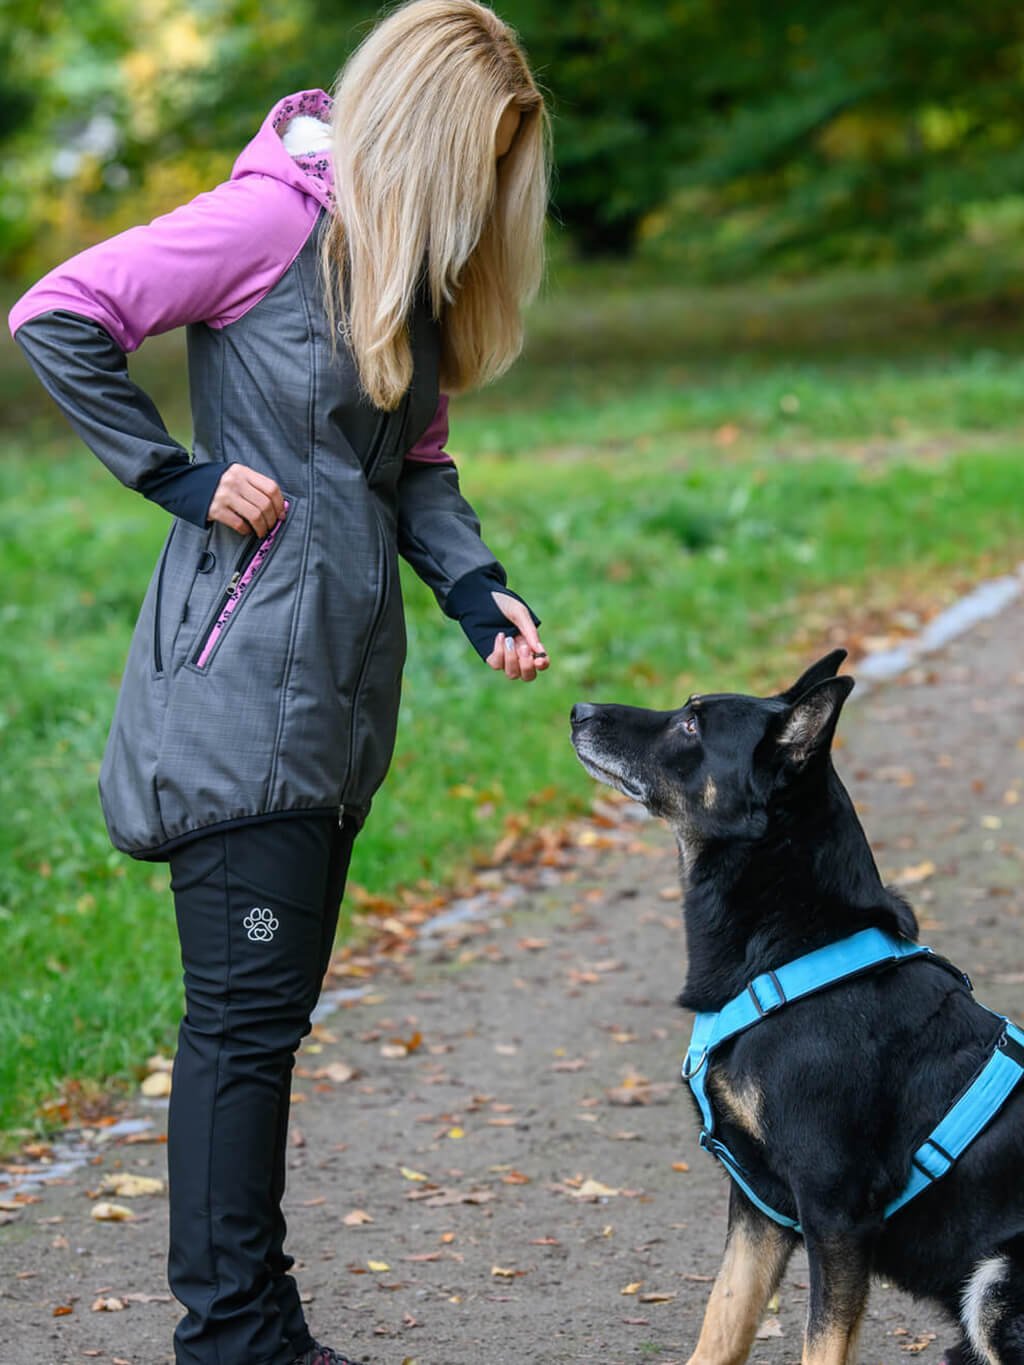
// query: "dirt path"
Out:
[537,1024]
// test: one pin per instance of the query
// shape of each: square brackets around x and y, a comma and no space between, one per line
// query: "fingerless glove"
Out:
[471,603]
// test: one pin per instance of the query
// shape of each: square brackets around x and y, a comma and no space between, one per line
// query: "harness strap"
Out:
[964,1120]
[771,990]
[721,1151]
[967,1117]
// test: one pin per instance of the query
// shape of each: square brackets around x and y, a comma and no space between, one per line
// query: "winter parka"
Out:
[263,676]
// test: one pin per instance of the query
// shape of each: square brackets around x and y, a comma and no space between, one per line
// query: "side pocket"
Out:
[158,651]
[251,564]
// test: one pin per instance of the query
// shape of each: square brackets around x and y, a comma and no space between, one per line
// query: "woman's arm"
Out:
[439,534]
[209,261]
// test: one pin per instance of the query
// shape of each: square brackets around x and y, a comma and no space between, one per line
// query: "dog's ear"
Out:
[827,667]
[807,727]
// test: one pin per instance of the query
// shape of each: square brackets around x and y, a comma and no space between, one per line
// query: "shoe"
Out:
[324,1355]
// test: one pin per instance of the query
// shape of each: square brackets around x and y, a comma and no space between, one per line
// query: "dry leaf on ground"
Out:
[593,1190]
[111,1213]
[128,1186]
[157,1085]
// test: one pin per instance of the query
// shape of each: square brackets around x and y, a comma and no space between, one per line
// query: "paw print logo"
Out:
[260,924]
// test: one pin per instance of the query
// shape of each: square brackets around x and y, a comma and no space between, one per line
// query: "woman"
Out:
[341,275]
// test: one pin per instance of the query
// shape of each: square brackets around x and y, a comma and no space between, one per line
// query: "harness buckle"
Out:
[927,1164]
[763,1009]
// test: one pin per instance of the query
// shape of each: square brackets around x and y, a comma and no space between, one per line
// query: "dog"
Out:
[821,1104]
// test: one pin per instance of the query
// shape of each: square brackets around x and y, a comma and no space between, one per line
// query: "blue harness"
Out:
[976,1106]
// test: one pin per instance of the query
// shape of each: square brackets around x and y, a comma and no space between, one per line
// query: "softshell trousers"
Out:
[257,908]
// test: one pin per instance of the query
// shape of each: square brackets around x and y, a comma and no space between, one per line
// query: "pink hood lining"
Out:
[266,154]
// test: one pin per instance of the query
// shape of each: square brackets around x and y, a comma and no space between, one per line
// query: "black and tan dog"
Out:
[823,1102]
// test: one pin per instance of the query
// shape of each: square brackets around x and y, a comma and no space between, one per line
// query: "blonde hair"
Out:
[421,198]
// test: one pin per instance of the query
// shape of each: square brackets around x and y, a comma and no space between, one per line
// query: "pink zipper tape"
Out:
[236,594]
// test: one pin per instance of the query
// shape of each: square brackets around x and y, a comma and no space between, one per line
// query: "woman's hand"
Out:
[246,501]
[520,656]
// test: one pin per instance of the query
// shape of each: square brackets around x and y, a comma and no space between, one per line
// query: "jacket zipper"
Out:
[382,596]
[247,568]
[158,653]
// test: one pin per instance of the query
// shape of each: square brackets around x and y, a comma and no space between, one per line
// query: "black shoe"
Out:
[324,1355]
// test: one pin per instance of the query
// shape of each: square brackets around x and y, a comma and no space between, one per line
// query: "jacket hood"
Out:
[313,174]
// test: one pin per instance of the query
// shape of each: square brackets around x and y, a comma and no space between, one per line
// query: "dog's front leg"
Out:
[756,1253]
[840,1275]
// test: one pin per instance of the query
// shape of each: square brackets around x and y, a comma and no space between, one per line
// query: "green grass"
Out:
[661,558]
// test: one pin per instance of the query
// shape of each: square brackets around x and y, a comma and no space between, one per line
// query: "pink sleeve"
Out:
[209,261]
[430,448]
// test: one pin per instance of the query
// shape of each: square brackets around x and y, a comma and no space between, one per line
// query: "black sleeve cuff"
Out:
[185,489]
[471,604]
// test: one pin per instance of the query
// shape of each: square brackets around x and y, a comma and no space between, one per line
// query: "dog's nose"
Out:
[583,711]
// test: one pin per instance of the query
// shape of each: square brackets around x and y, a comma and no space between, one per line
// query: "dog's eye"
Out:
[690,725]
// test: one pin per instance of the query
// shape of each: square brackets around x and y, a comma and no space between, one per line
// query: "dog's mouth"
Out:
[610,777]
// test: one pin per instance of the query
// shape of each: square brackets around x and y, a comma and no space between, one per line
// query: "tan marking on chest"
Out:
[743,1105]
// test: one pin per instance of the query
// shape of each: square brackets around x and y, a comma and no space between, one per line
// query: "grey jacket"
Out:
[263,677]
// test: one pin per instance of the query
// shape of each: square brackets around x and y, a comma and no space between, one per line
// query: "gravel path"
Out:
[524,1183]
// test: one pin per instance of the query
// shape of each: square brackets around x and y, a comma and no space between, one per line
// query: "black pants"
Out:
[257,908]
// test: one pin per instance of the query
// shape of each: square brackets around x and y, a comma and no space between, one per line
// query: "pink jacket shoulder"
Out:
[209,261]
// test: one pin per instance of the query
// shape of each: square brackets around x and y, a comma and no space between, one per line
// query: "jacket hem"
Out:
[159,853]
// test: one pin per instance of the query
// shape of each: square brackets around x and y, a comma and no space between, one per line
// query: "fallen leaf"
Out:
[378,1265]
[63,1309]
[593,1190]
[109,1305]
[443,1198]
[631,1288]
[111,1213]
[356,1218]
[680,1166]
[570,1064]
[771,1327]
[410,1174]
[456,1132]
[916,872]
[920,1343]
[503,1272]
[157,1085]
[338,1072]
[655,1298]
[128,1186]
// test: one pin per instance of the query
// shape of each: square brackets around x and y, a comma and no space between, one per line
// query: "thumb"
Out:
[519,614]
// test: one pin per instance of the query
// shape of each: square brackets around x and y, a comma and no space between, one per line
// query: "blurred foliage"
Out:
[726,131]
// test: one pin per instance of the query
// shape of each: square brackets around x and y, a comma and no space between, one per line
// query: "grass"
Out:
[691,470]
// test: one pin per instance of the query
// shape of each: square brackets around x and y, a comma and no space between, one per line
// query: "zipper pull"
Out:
[234,582]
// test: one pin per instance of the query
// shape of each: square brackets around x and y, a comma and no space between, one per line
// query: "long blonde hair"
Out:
[419,194]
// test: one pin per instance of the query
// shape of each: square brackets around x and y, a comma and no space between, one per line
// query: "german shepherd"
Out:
[823,1102]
